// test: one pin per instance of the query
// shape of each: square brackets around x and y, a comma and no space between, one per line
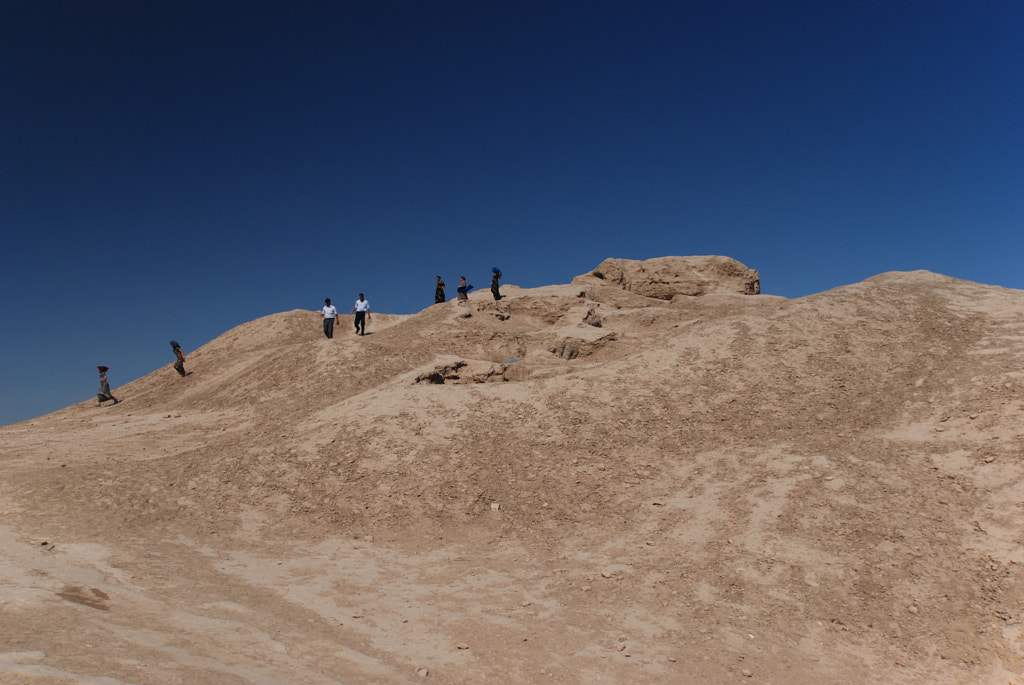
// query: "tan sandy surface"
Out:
[715,489]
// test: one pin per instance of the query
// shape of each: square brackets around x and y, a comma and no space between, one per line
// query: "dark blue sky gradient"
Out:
[173,169]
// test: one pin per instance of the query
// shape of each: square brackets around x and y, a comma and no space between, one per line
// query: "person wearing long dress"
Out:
[104,394]
[463,290]
[494,283]
[179,358]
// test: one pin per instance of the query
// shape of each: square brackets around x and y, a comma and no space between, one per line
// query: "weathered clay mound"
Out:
[572,484]
[665,278]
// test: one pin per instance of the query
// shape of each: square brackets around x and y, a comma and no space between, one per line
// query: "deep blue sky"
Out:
[174,169]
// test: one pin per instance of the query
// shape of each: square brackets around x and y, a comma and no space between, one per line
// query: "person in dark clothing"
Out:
[104,394]
[494,282]
[179,358]
[463,290]
[439,292]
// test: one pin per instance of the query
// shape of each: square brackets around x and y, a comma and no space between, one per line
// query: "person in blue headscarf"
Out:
[463,289]
[496,276]
[179,358]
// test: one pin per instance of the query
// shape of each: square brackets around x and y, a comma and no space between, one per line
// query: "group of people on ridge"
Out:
[361,309]
[463,289]
[330,315]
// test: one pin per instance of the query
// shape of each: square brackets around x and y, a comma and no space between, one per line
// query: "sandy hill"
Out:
[650,475]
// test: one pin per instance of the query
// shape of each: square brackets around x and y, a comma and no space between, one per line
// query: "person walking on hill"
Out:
[494,282]
[179,358]
[362,312]
[104,394]
[439,292]
[330,314]
[463,290]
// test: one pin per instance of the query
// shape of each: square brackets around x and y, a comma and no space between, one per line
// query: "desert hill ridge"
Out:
[838,476]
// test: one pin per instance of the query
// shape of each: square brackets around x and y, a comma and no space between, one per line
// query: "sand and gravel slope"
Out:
[575,484]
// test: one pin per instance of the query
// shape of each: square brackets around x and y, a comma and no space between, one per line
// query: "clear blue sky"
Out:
[173,169]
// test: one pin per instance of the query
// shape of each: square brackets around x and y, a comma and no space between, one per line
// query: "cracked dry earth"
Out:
[575,484]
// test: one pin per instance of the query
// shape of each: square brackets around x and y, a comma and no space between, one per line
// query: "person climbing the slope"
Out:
[179,358]
[439,291]
[104,394]
[362,312]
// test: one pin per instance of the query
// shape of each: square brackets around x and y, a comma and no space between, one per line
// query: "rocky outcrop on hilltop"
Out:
[665,278]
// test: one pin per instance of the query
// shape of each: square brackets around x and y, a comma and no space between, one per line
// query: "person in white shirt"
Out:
[330,314]
[362,312]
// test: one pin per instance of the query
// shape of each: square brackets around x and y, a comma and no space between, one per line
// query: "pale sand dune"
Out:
[826,489]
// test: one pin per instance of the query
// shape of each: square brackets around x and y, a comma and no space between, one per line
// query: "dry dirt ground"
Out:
[575,484]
